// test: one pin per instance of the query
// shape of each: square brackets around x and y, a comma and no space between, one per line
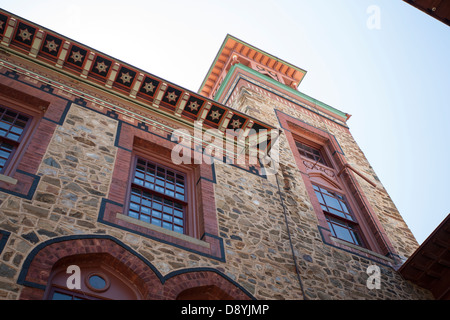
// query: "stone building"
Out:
[117,184]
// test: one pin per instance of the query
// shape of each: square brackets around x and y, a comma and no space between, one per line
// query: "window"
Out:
[101,277]
[342,209]
[338,215]
[310,152]
[158,196]
[12,128]
[60,294]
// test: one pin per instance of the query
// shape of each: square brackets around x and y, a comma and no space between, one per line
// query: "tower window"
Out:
[310,152]
[337,212]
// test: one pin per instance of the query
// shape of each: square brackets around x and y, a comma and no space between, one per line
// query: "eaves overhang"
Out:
[438,9]
[61,54]
[429,265]
[232,48]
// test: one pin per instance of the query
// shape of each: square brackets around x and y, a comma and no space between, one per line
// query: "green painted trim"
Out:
[279,85]
[253,48]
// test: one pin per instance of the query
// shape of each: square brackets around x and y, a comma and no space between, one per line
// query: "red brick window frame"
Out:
[13,127]
[201,234]
[327,176]
[33,113]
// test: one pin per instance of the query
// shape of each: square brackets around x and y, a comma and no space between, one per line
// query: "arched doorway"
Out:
[113,262]
[91,277]
[116,271]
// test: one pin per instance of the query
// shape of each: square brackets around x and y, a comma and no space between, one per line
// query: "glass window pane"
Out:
[135,198]
[146,202]
[134,206]
[178,206]
[178,213]
[13,137]
[178,221]
[356,237]
[167,225]
[170,186]
[319,197]
[168,209]
[97,282]
[145,210]
[161,173]
[343,233]
[133,214]
[17,130]
[344,207]
[156,222]
[157,206]
[178,229]
[170,193]
[336,212]
[149,185]
[331,202]
[179,196]
[61,296]
[4,126]
[8,119]
[145,218]
[156,214]
[23,118]
[180,190]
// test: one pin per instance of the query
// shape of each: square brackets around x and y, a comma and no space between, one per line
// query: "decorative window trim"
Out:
[132,140]
[35,114]
[174,234]
[373,232]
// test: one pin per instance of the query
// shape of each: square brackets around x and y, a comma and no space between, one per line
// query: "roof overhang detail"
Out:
[429,265]
[234,51]
[46,48]
[438,9]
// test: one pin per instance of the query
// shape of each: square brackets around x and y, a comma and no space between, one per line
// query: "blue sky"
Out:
[394,79]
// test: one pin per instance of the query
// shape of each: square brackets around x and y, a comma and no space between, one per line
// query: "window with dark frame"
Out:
[13,125]
[58,294]
[310,152]
[338,214]
[158,196]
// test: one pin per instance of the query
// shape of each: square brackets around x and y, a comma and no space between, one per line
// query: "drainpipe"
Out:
[290,239]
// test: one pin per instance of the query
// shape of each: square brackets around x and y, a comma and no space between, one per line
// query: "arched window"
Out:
[91,277]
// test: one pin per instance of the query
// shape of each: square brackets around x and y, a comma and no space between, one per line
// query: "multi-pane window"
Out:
[310,152]
[340,220]
[12,128]
[158,196]
[59,295]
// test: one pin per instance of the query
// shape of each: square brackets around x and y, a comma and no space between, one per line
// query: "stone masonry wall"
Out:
[325,271]
[259,226]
